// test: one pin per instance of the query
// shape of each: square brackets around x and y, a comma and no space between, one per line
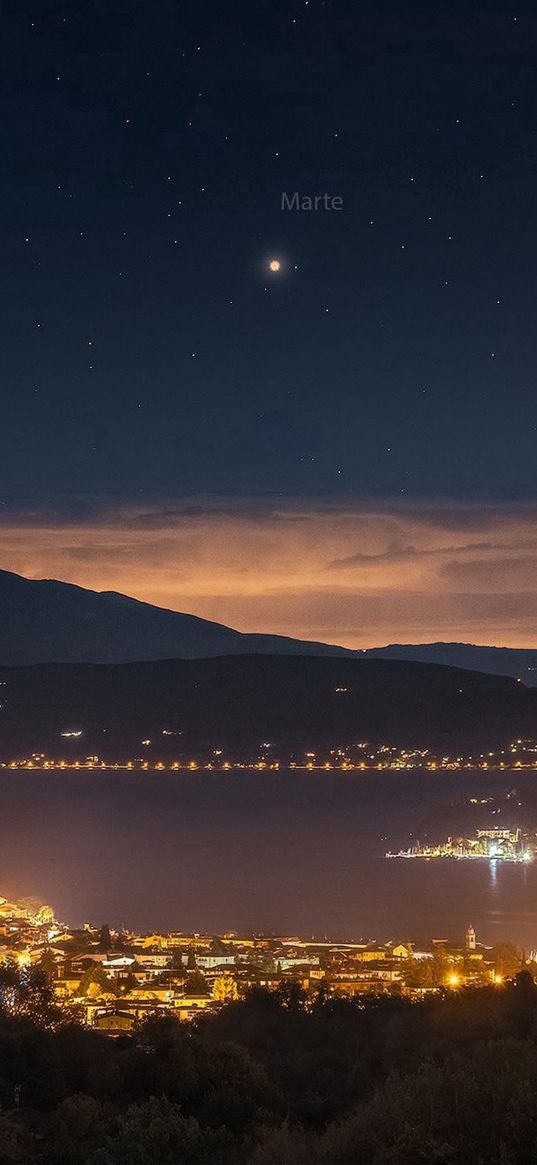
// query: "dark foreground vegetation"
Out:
[271,1080]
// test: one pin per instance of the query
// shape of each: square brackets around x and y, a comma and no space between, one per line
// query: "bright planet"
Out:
[275,265]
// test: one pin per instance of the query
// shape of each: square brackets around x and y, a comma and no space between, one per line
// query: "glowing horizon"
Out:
[356,572]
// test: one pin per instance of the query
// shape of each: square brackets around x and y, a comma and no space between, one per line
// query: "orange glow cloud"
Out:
[360,573]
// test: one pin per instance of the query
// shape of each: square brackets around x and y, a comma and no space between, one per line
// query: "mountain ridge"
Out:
[49,621]
[518,662]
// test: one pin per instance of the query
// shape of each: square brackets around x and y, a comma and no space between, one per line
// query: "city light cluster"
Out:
[109,980]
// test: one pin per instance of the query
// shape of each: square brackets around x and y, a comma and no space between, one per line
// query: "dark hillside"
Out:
[239,702]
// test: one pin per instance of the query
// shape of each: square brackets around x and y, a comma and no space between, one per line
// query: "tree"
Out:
[477,1105]
[47,963]
[440,967]
[105,938]
[177,962]
[9,981]
[507,959]
[94,982]
[79,1128]
[291,995]
[225,989]
[196,984]
[157,1131]
[419,973]
[31,994]
[16,1142]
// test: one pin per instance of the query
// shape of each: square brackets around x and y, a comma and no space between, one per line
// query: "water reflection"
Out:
[493,876]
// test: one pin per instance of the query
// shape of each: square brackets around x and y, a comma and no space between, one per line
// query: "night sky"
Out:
[181,422]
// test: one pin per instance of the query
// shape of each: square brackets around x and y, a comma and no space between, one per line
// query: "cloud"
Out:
[359,572]
[396,553]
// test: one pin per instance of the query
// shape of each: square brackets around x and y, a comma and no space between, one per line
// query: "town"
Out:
[362,756]
[110,981]
[495,845]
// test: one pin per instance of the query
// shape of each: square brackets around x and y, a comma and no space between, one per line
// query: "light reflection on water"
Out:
[288,852]
[493,871]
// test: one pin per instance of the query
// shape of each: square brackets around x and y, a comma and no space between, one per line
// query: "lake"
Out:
[288,852]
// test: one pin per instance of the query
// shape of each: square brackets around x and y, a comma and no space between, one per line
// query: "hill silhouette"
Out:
[239,702]
[45,621]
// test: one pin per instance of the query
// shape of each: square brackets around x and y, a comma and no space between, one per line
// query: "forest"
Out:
[273,1079]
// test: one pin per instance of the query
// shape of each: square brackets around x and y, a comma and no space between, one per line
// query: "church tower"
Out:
[470,939]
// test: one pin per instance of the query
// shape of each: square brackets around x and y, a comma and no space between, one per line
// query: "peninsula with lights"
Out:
[495,828]
[494,845]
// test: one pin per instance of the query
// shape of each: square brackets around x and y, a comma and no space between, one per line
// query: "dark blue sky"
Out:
[147,350]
